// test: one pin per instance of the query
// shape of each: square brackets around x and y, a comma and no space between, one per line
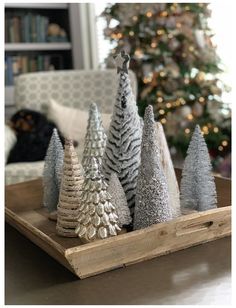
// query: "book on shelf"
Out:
[16,65]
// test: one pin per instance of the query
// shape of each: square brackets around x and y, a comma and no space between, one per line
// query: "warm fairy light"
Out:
[220,148]
[191,48]
[178,25]
[170,35]
[186,80]
[190,117]
[138,53]
[205,129]
[163,121]
[168,105]
[162,74]
[164,14]
[201,99]
[184,55]
[160,32]
[182,101]
[162,111]
[187,130]
[160,99]
[147,79]
[131,33]
[201,76]
[215,129]
[153,44]
[135,18]
[119,35]
[224,143]
[149,14]
[177,103]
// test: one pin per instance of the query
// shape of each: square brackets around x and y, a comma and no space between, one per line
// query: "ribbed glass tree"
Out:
[52,172]
[175,61]
[70,192]
[97,217]
[152,199]
[95,139]
[122,152]
[197,188]
[118,198]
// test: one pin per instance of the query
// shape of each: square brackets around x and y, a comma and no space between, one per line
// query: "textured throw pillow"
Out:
[72,122]
[10,141]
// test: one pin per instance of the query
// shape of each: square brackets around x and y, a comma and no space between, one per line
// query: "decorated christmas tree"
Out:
[118,198]
[177,68]
[152,199]
[122,152]
[169,172]
[95,139]
[197,188]
[70,192]
[97,217]
[52,172]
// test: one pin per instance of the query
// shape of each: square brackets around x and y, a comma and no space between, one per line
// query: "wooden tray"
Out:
[25,213]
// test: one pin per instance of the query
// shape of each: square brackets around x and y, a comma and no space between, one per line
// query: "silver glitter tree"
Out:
[70,192]
[118,198]
[97,217]
[152,199]
[197,187]
[52,172]
[95,139]
[122,152]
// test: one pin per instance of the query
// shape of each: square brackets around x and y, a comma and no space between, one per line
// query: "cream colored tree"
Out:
[97,217]
[70,192]
[169,171]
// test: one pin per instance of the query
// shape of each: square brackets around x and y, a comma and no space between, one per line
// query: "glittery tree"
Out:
[118,198]
[152,199]
[177,67]
[197,188]
[169,172]
[97,217]
[52,172]
[70,192]
[95,139]
[122,152]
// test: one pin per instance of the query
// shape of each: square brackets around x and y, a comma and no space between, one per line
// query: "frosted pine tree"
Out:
[52,172]
[122,152]
[197,188]
[169,171]
[70,192]
[118,198]
[97,217]
[95,139]
[152,200]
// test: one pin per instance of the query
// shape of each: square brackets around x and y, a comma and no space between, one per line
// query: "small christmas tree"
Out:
[169,171]
[122,153]
[197,188]
[95,139]
[152,200]
[118,198]
[52,172]
[70,192]
[97,215]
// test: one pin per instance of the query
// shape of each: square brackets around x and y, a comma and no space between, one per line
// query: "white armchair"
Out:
[72,88]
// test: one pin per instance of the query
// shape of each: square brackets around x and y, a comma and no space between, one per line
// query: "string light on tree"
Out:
[149,14]
[224,143]
[187,130]
[216,129]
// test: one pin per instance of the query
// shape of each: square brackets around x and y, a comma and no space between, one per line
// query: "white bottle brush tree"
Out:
[197,188]
[152,199]
[118,198]
[122,152]
[52,172]
[97,215]
[70,192]
[95,139]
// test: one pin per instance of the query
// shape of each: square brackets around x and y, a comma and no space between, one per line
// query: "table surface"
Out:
[197,275]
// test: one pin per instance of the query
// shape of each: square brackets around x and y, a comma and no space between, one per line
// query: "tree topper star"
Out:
[122,62]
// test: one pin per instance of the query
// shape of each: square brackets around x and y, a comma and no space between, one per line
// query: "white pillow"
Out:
[10,140]
[72,122]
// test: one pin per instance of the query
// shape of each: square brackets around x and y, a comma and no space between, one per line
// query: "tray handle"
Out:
[194,227]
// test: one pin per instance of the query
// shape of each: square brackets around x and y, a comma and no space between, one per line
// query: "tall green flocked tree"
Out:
[176,65]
